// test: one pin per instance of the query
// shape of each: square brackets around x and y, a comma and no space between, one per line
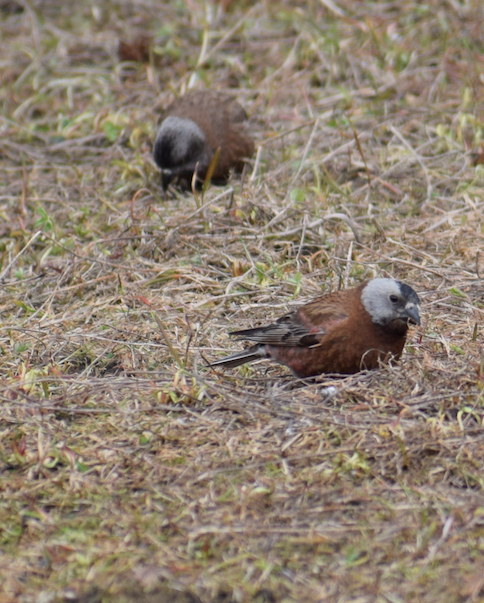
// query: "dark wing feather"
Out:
[285,331]
[303,328]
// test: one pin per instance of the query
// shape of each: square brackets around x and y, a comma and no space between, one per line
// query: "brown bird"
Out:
[193,128]
[343,332]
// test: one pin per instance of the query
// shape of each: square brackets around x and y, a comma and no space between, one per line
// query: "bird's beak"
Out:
[412,312]
[166,178]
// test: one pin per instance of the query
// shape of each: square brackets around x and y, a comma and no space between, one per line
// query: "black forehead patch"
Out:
[408,293]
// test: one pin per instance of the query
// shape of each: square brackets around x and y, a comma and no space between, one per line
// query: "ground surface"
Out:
[130,472]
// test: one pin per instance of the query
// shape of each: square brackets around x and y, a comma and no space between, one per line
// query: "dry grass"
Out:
[130,472]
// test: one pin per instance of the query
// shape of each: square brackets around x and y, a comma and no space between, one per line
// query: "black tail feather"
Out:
[255,352]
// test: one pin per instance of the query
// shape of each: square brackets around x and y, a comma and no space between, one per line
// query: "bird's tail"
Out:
[255,352]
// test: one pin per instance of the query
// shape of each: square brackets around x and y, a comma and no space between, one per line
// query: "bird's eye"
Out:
[393,298]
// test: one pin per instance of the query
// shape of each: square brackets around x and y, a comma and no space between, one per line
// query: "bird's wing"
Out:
[303,328]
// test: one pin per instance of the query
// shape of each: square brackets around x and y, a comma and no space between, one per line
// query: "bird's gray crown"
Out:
[386,299]
[181,134]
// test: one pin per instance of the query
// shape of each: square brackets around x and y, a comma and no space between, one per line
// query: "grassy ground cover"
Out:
[130,471]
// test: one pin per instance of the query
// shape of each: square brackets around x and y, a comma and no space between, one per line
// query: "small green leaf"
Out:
[298,195]
[81,466]
[457,349]
[457,292]
[111,130]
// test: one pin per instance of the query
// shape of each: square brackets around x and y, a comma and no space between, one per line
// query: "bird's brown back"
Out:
[329,310]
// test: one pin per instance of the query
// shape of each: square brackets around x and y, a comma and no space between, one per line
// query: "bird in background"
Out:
[343,332]
[194,127]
